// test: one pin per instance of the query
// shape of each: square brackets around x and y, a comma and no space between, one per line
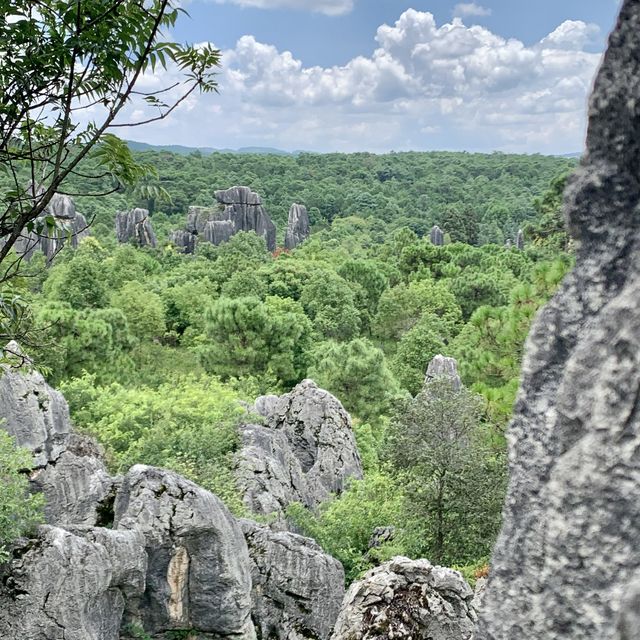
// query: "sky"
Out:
[390,75]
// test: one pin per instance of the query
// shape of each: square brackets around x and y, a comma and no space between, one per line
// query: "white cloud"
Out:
[468,9]
[425,86]
[328,7]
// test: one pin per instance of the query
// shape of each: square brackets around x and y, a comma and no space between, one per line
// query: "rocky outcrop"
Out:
[77,488]
[298,226]
[304,452]
[436,236]
[135,226]
[68,467]
[70,226]
[244,208]
[155,552]
[198,573]
[520,240]
[297,588]
[407,600]
[184,240]
[71,585]
[443,366]
[568,551]
[36,415]
[241,210]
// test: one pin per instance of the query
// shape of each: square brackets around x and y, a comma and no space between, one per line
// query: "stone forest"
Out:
[322,396]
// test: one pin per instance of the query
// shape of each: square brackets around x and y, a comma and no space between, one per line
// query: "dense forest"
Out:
[156,350]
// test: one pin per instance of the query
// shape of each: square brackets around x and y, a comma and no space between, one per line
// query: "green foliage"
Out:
[246,336]
[19,511]
[453,484]
[331,304]
[357,373]
[344,526]
[143,310]
[188,425]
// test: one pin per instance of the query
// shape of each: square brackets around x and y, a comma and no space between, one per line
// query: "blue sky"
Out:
[381,75]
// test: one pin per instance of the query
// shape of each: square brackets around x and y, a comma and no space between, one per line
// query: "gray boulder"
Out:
[77,488]
[298,226]
[197,218]
[135,226]
[184,240]
[66,585]
[297,588]
[568,551]
[520,240]
[198,573]
[436,236]
[36,415]
[443,366]
[407,600]
[304,452]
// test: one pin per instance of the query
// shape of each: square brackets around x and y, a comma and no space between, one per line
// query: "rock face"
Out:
[70,226]
[304,452]
[407,600]
[77,487]
[437,236]
[36,415]
[184,240]
[298,226]
[244,208]
[520,240]
[568,551]
[442,366]
[297,588]
[241,210]
[156,552]
[198,575]
[135,225]
[71,585]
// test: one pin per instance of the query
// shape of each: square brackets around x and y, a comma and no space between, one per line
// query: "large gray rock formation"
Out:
[568,551]
[198,573]
[77,488]
[36,415]
[304,452]
[184,240]
[436,236]
[241,210]
[65,585]
[244,208]
[407,600]
[68,468]
[443,366]
[297,588]
[298,226]
[135,226]
[70,226]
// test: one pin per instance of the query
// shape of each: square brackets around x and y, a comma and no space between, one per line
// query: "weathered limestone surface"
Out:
[244,208]
[70,225]
[568,550]
[407,600]
[297,588]
[198,573]
[298,226]
[66,585]
[76,486]
[443,366]
[184,240]
[135,225]
[304,452]
[36,415]
[436,236]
